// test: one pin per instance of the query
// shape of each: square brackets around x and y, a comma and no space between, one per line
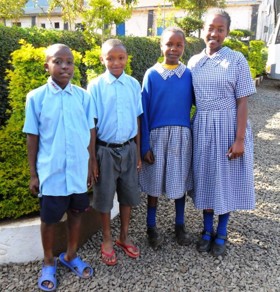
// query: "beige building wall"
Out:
[241,13]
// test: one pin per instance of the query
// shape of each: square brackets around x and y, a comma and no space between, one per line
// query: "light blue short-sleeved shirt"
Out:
[118,104]
[62,119]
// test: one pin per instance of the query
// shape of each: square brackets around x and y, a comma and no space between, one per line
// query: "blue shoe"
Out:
[77,266]
[48,274]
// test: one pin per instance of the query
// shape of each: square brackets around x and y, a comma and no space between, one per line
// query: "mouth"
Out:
[67,75]
[212,41]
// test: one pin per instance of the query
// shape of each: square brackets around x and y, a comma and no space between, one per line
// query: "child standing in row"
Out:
[59,124]
[117,98]
[222,136]
[166,141]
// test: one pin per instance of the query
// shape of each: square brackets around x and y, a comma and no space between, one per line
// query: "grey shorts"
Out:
[117,174]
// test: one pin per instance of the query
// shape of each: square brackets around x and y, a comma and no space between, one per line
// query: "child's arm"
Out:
[32,150]
[237,148]
[137,141]
[93,166]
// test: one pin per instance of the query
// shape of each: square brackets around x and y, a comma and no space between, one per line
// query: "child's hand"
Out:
[34,185]
[236,150]
[139,164]
[89,181]
[149,157]
[95,171]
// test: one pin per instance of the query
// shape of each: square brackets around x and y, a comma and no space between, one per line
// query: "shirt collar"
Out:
[216,57]
[55,88]
[110,78]
[166,73]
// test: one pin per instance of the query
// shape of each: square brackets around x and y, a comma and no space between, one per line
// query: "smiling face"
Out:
[216,29]
[60,64]
[172,47]
[114,58]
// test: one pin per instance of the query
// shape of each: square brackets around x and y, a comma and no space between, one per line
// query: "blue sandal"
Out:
[77,266]
[48,274]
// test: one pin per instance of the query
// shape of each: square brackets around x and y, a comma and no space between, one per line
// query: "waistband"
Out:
[113,145]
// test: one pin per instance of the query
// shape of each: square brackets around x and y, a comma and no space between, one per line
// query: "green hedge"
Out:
[254,51]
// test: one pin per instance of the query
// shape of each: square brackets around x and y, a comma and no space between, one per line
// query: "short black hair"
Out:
[222,13]
[112,43]
[174,29]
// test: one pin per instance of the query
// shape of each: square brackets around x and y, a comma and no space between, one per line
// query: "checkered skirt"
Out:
[171,172]
[221,184]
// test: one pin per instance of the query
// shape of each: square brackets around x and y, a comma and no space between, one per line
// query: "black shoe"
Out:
[204,245]
[182,236]
[219,249]
[154,238]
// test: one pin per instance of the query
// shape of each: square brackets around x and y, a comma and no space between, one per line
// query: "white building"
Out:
[149,17]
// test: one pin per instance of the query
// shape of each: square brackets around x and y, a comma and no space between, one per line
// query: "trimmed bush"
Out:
[255,52]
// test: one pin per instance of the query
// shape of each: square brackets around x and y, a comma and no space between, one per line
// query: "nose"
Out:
[64,65]
[214,32]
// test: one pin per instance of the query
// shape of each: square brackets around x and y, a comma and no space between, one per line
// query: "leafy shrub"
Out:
[189,24]
[27,73]
[257,56]
[254,51]
[237,45]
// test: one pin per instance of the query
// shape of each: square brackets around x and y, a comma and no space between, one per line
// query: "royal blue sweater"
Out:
[165,103]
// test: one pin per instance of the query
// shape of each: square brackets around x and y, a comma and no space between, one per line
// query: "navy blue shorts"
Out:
[54,207]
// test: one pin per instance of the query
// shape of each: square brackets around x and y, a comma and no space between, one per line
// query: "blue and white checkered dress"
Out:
[171,173]
[221,184]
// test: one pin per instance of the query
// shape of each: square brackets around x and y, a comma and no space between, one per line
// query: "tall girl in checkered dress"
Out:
[166,142]
[222,137]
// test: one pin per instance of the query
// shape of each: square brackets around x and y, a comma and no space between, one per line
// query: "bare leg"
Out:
[47,236]
[152,201]
[125,212]
[107,244]
[74,221]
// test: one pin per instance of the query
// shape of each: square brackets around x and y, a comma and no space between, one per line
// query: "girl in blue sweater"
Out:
[166,142]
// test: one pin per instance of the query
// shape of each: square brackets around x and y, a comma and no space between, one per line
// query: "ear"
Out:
[228,32]
[46,66]
[101,60]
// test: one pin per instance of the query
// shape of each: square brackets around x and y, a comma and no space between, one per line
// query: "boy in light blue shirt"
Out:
[59,125]
[117,98]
